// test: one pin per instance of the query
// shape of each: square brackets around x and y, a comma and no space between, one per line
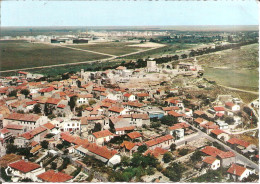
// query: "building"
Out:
[24,169]
[238,173]
[100,137]
[54,176]
[163,142]
[212,162]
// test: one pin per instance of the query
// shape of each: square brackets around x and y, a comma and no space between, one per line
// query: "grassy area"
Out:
[21,54]
[233,68]
[242,79]
[246,57]
[114,48]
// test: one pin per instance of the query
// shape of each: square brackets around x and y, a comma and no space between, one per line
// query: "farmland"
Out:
[21,54]
[114,48]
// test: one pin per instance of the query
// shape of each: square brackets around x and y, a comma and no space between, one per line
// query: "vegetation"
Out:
[4,175]
[183,152]
[64,165]
[37,109]
[167,157]
[25,92]
[142,149]
[13,93]
[168,120]
[210,176]
[45,144]
[174,171]
[196,156]
[72,102]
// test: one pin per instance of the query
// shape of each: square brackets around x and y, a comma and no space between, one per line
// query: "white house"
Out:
[100,137]
[83,99]
[70,125]
[24,169]
[238,172]
[232,106]
[212,162]
[129,97]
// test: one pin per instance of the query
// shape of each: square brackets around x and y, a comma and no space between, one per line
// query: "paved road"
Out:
[239,157]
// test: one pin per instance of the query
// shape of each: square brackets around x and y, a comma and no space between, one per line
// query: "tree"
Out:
[196,156]
[45,144]
[91,102]
[59,146]
[26,180]
[25,92]
[4,175]
[10,148]
[51,116]
[97,127]
[37,109]
[168,120]
[167,157]
[54,165]
[13,93]
[72,102]
[174,171]
[142,149]
[48,109]
[173,147]
[183,152]
[229,120]
[78,83]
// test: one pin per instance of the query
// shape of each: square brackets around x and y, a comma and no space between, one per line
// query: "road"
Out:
[239,157]
[236,89]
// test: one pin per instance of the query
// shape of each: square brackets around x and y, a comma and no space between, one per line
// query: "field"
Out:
[114,48]
[21,54]
[233,68]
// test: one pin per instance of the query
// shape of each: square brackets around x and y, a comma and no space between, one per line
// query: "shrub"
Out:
[183,152]
[167,157]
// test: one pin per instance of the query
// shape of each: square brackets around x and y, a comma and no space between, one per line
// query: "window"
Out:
[68,124]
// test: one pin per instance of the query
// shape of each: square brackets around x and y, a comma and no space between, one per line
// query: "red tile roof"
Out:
[121,68]
[127,95]
[13,126]
[239,142]
[140,116]
[21,72]
[217,131]
[209,160]
[46,90]
[24,166]
[34,143]
[229,104]
[212,151]
[54,101]
[128,145]
[219,108]
[158,140]
[156,152]
[199,120]
[103,133]
[134,135]
[175,114]
[85,96]
[199,112]
[23,117]
[100,89]
[179,126]
[52,176]
[116,109]
[49,125]
[61,106]
[101,151]
[134,104]
[236,170]
[226,154]
[29,135]
[142,94]
[174,108]
[4,131]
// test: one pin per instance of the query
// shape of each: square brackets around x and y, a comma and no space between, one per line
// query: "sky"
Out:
[128,13]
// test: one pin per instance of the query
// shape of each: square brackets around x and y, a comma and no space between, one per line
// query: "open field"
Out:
[21,54]
[114,48]
[233,68]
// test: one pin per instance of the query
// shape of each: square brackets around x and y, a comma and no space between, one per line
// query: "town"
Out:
[150,124]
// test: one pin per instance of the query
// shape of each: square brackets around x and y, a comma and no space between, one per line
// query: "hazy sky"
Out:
[125,13]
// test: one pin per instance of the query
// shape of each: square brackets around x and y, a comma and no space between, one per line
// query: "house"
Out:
[102,153]
[208,127]
[237,172]
[15,129]
[100,137]
[135,135]
[220,134]
[9,158]
[140,119]
[219,111]
[163,142]
[178,130]
[70,125]
[128,97]
[5,135]
[239,144]
[226,158]
[54,176]
[222,125]
[30,121]
[52,128]
[37,135]
[128,148]
[178,116]
[115,110]
[212,162]
[24,169]
[142,96]
[232,106]
[168,109]
[83,99]
[199,121]
[123,130]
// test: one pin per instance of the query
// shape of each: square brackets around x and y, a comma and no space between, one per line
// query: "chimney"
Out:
[23,157]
